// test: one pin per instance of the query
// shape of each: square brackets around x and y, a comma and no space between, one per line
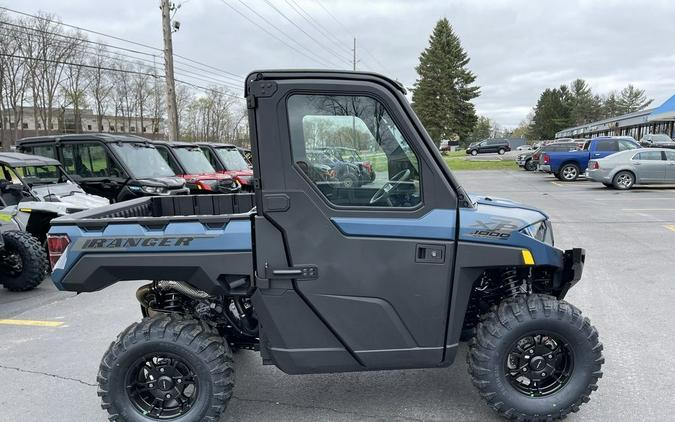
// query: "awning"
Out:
[665,111]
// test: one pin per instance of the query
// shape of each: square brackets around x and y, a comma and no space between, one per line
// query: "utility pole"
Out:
[354,51]
[171,109]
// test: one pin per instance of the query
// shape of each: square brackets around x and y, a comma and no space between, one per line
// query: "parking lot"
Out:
[48,366]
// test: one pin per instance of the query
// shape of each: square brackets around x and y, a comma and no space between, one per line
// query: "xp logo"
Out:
[494,229]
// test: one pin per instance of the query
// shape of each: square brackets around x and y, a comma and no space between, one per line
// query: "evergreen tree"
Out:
[444,89]
[482,130]
[585,107]
[610,105]
[632,99]
[551,114]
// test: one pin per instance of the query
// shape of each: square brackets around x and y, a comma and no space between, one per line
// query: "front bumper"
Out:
[572,270]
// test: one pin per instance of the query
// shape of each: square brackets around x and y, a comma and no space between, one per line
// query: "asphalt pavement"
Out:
[48,372]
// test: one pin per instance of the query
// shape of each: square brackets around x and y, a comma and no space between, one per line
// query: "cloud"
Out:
[517,48]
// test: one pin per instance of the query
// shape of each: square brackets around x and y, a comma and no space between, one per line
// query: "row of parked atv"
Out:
[52,176]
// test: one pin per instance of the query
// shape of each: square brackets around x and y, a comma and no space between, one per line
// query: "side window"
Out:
[88,160]
[164,152]
[42,150]
[649,155]
[625,145]
[212,158]
[607,145]
[388,176]
[670,155]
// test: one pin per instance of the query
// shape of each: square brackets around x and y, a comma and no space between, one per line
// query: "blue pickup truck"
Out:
[567,166]
[323,277]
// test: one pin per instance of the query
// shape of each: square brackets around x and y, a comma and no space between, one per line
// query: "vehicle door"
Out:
[650,166]
[670,166]
[349,278]
[92,166]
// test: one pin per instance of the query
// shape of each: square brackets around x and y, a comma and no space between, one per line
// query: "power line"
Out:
[319,43]
[310,19]
[116,38]
[138,60]
[273,35]
[110,69]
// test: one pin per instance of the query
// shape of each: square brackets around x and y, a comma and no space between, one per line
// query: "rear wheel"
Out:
[474,152]
[623,180]
[166,367]
[535,358]
[569,172]
[501,151]
[23,261]
[530,165]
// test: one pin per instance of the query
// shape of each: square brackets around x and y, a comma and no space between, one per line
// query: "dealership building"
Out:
[654,120]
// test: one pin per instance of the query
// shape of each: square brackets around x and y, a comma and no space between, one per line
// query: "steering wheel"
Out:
[389,187]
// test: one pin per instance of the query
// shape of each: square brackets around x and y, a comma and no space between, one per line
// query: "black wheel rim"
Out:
[538,365]
[162,386]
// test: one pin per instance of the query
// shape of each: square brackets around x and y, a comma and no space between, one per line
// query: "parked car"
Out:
[365,171]
[227,159]
[526,147]
[568,166]
[625,169]
[538,154]
[526,161]
[446,145]
[117,167]
[657,140]
[383,277]
[33,191]
[188,161]
[500,146]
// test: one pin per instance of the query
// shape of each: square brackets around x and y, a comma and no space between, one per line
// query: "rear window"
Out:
[648,155]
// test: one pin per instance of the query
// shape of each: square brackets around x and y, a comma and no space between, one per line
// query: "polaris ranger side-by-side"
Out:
[322,277]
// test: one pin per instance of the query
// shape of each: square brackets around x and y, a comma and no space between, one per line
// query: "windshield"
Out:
[39,175]
[193,160]
[232,159]
[144,161]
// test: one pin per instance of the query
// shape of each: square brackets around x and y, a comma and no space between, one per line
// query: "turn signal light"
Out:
[56,244]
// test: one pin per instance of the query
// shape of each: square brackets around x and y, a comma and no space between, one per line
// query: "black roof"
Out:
[17,159]
[105,137]
[175,143]
[323,74]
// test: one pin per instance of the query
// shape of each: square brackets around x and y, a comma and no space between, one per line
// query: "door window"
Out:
[389,174]
[212,158]
[649,156]
[88,160]
[670,155]
[625,145]
[42,150]
[607,145]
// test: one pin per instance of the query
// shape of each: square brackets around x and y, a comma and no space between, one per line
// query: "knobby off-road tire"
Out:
[32,258]
[166,355]
[521,317]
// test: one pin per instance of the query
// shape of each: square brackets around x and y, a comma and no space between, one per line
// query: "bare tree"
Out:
[14,83]
[100,84]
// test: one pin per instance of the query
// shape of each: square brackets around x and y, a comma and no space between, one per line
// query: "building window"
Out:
[122,128]
[145,129]
[51,125]
[155,129]
[38,125]
[24,125]
[88,127]
[100,128]
[111,128]
[132,128]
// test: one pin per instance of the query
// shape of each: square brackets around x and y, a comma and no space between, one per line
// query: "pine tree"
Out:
[585,107]
[444,90]
[481,130]
[632,99]
[551,114]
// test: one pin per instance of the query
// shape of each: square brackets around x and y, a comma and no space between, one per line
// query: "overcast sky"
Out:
[517,48]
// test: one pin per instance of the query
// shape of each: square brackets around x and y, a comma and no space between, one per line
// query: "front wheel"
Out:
[501,151]
[166,367]
[530,165]
[474,152]
[535,358]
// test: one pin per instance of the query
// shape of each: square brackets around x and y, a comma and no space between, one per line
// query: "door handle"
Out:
[429,253]
[637,164]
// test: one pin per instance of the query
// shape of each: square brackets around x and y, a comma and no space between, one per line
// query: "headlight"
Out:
[542,231]
[153,189]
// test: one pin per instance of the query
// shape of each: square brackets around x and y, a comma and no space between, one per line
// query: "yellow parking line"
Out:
[31,323]
[557,184]
[670,227]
